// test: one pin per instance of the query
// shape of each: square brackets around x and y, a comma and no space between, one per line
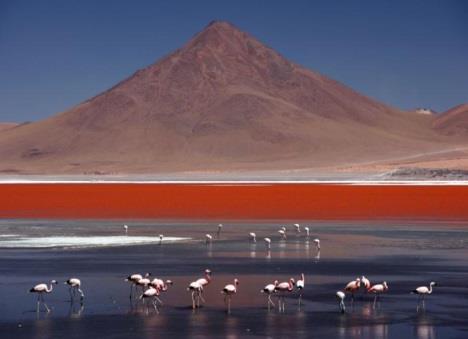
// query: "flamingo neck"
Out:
[430,289]
[51,287]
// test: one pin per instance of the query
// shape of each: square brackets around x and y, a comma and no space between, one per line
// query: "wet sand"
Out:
[404,254]
[235,201]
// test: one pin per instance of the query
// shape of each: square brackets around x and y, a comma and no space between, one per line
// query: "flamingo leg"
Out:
[193,299]
[71,295]
[38,303]
[229,304]
[300,300]
[270,301]
[81,293]
[158,300]
[45,305]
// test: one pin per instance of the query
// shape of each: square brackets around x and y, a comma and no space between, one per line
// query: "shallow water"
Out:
[406,255]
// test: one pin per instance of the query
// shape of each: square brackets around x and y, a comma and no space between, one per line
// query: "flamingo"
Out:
[283,228]
[307,230]
[253,237]
[378,289]
[143,283]
[423,291]
[218,233]
[282,233]
[74,286]
[365,283]
[300,284]
[133,280]
[269,290]
[228,291]
[267,243]
[196,289]
[161,286]
[161,236]
[298,228]
[126,229]
[204,282]
[151,293]
[317,243]
[340,295]
[352,287]
[208,238]
[283,288]
[40,289]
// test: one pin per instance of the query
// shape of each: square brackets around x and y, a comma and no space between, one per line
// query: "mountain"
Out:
[7,125]
[454,121]
[224,101]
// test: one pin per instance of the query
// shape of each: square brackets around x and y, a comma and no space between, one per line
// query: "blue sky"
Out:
[55,54]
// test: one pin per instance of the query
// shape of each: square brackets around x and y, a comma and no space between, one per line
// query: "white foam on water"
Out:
[9,235]
[82,242]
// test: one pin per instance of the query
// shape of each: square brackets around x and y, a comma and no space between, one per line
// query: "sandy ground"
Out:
[406,255]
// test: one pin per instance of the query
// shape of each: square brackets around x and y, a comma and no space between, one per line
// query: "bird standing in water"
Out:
[341,297]
[283,289]
[269,290]
[74,286]
[228,291]
[40,289]
[300,284]
[423,291]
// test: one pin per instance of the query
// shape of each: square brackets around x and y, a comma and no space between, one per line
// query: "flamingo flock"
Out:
[151,289]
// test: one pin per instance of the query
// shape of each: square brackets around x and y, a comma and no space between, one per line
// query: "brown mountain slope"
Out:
[223,101]
[453,122]
[7,125]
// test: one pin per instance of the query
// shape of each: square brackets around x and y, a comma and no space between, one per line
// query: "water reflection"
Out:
[76,309]
[424,328]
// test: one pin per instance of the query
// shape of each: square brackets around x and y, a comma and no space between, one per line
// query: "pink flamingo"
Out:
[378,289]
[161,285]
[269,290]
[228,291]
[151,293]
[204,282]
[283,288]
[40,289]
[196,289]
[133,280]
[352,287]
[300,284]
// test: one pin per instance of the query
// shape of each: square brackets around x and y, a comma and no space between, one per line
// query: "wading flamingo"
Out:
[365,283]
[228,291]
[283,288]
[151,293]
[126,229]
[300,284]
[378,289]
[267,243]
[253,237]
[133,280]
[204,282]
[317,243]
[423,291]
[208,239]
[196,289]
[340,295]
[161,236]
[283,234]
[40,289]
[161,286]
[298,228]
[352,287]
[218,233]
[74,286]
[269,290]
[307,230]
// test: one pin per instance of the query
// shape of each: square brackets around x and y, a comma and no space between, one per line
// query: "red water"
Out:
[233,201]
